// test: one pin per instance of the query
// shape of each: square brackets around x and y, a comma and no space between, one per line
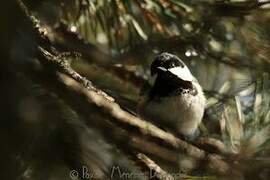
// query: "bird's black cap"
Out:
[165,61]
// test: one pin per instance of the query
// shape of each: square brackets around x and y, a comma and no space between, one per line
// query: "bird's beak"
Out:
[161,69]
[158,69]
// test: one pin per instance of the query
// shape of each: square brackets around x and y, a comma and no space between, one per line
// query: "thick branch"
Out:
[113,110]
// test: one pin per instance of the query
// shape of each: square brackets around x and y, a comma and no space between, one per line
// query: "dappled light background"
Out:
[226,45]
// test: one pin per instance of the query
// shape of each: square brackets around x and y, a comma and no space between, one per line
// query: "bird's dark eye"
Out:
[173,62]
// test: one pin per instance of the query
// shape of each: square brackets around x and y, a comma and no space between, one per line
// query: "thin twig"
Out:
[155,170]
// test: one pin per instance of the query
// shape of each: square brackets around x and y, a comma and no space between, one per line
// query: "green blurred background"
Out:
[226,44]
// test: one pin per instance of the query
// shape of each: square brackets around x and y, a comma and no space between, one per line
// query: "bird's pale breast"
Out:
[184,111]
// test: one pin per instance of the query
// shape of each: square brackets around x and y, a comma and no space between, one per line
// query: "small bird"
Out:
[175,100]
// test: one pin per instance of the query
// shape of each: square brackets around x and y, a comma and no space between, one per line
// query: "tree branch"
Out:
[106,104]
[152,166]
[83,88]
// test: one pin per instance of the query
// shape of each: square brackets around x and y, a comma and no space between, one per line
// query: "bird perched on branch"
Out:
[175,100]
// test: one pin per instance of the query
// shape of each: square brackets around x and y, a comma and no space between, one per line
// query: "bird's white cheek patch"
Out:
[182,73]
